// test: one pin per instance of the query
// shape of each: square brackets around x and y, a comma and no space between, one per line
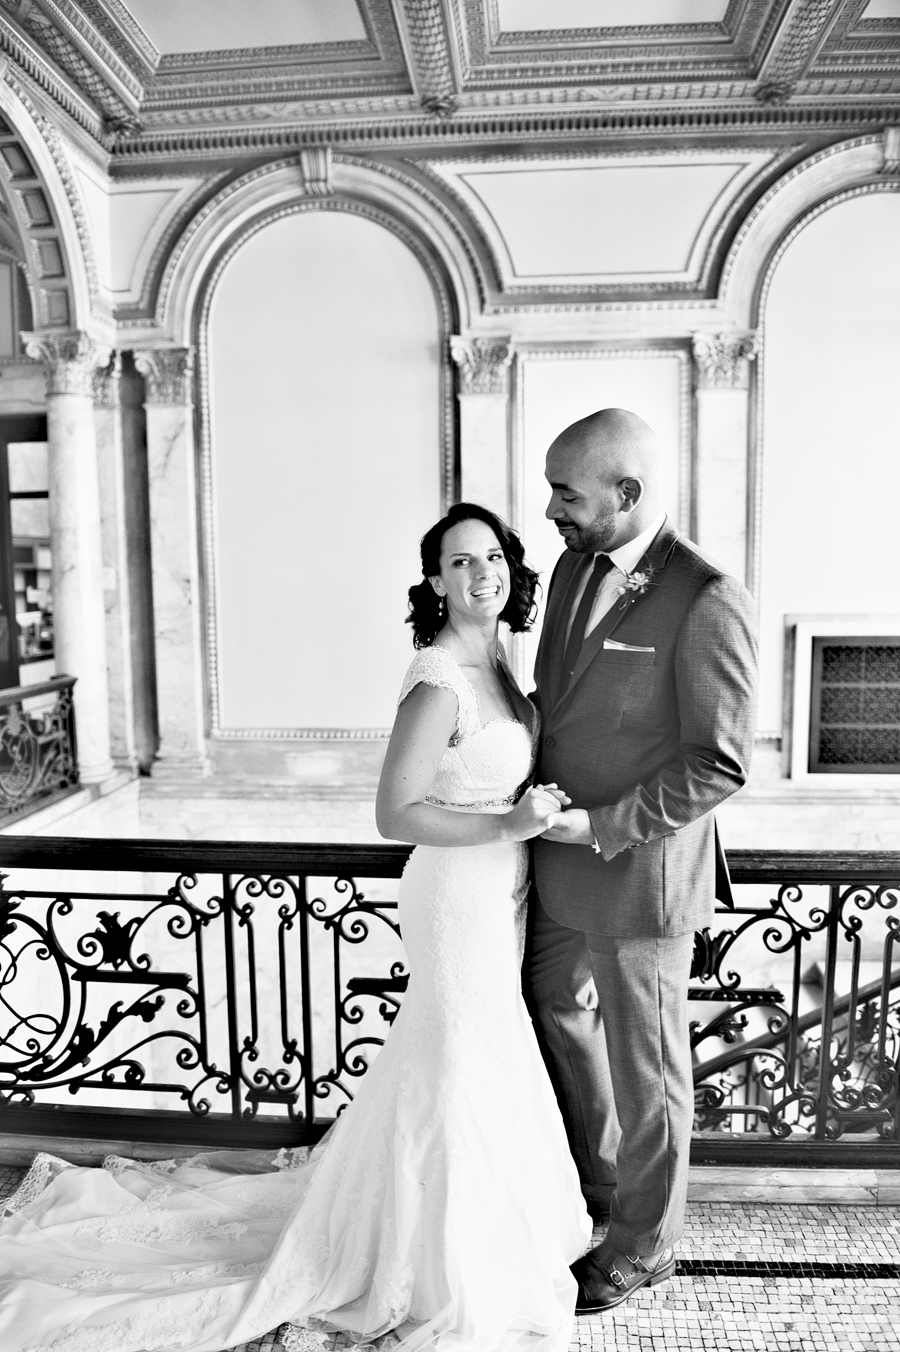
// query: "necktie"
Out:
[602,564]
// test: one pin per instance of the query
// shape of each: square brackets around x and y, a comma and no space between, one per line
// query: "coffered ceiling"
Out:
[151,77]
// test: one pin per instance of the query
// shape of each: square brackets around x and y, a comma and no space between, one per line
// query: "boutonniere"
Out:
[633,586]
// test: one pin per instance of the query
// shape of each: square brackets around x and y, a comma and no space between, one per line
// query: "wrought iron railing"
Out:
[38,759]
[207,992]
[801,1054]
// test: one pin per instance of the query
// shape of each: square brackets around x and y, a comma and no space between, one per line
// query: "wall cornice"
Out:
[445,72]
[399,127]
[25,55]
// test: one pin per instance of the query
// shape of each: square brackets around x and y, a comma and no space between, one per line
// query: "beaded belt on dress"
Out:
[487,803]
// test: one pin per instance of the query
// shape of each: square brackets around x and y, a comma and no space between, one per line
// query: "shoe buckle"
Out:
[616,1277]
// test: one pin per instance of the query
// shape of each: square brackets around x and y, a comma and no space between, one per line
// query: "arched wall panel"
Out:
[830,432]
[325,386]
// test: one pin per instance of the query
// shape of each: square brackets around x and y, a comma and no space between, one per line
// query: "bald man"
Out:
[645,675]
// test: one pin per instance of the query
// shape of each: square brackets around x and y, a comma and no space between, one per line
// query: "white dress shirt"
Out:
[624,560]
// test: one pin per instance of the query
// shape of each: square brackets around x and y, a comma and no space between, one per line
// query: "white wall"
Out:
[831,429]
[324,403]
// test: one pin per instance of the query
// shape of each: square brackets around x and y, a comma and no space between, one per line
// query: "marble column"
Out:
[722,379]
[484,419]
[69,361]
[113,540]
[168,376]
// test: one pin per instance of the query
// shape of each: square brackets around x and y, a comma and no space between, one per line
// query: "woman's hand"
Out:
[535,811]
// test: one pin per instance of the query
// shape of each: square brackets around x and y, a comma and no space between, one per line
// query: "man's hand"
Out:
[571,828]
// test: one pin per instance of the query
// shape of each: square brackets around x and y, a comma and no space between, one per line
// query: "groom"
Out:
[645,676]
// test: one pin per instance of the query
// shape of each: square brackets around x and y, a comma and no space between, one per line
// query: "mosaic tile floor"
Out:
[752,1277]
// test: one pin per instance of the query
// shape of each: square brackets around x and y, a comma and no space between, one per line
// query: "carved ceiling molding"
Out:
[467,130]
[851,37]
[84,40]
[32,63]
[450,58]
[120,76]
[115,22]
[101,86]
[433,64]
[757,450]
[52,139]
[680,53]
[45,251]
[794,43]
[447,309]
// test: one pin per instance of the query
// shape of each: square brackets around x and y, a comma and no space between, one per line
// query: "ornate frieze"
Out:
[69,360]
[483,364]
[722,360]
[168,373]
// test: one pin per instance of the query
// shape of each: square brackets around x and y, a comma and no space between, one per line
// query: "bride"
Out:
[443,1206]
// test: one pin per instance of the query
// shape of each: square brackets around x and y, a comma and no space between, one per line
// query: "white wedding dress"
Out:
[442,1205]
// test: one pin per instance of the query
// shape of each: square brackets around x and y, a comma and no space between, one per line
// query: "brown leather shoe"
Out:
[605,1280]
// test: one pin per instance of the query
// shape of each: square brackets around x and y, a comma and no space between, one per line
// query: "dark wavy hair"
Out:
[427,616]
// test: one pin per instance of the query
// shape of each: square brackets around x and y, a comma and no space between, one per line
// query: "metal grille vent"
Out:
[855,706]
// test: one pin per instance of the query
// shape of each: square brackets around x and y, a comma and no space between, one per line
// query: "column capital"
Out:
[483,364]
[169,374]
[69,360]
[722,360]
[106,382]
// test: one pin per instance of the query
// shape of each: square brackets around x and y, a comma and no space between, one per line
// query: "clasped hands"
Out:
[541,811]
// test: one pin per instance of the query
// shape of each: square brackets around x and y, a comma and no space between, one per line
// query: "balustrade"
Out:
[235,993]
[38,758]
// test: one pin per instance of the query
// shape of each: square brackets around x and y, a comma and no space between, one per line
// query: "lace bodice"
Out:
[486,764]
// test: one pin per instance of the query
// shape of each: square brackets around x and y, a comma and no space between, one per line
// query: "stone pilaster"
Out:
[70,361]
[116,591]
[168,375]
[721,381]
[484,366]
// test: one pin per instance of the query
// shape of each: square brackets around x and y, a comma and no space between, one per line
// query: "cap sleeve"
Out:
[437,667]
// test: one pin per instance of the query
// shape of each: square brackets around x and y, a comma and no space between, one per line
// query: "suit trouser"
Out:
[612,1018]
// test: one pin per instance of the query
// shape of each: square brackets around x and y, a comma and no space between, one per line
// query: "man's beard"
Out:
[595,538]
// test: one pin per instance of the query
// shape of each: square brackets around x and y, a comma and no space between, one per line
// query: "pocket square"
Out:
[625,647]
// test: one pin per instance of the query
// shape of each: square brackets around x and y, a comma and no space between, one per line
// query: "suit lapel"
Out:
[654,560]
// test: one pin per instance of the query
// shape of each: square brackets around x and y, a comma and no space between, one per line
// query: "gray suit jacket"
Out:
[649,742]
